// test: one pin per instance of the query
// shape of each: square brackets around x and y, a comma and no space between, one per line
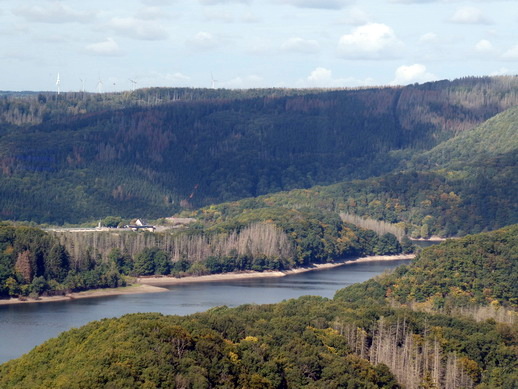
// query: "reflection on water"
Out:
[26,325]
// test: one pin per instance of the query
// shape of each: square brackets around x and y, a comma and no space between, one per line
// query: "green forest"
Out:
[464,185]
[369,336]
[269,179]
[34,262]
[155,152]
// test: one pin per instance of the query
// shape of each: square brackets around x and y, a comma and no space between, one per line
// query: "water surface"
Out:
[24,326]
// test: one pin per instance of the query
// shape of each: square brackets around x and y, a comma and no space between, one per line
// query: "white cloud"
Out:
[107,47]
[469,15]
[150,79]
[411,74]
[250,18]
[320,75]
[300,45]
[138,29]
[501,72]
[484,46]
[323,4]
[219,16]
[428,37]
[251,81]
[55,12]
[355,16]
[152,13]
[176,78]
[370,41]
[511,54]
[323,78]
[203,40]
[260,46]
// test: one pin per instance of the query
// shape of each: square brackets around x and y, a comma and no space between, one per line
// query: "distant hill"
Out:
[154,152]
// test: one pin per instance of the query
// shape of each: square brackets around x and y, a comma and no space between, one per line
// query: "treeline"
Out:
[29,108]
[91,156]
[264,239]
[59,262]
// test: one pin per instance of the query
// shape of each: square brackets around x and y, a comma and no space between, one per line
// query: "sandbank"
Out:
[131,289]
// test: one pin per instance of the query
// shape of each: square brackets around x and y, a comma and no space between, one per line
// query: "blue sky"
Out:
[252,43]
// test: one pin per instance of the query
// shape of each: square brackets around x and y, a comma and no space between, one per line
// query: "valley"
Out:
[263,183]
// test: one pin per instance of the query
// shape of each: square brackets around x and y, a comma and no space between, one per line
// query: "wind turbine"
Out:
[213,84]
[133,84]
[100,86]
[82,85]
[58,84]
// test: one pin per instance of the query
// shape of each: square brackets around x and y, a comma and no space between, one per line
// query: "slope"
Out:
[465,185]
[157,151]
[475,270]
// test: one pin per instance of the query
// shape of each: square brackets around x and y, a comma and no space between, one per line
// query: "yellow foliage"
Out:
[251,339]
[234,358]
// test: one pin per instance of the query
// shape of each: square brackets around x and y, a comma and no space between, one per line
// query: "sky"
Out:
[116,45]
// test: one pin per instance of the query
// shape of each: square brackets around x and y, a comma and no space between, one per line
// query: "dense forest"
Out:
[153,152]
[359,339]
[271,179]
[470,272]
[464,185]
[34,262]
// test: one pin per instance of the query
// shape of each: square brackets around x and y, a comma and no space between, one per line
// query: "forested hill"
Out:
[464,185]
[477,270]
[360,339]
[153,152]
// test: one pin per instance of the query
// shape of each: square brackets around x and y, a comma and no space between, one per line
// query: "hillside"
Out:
[477,270]
[465,185]
[355,340]
[155,152]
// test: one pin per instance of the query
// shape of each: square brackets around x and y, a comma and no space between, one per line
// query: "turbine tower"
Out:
[133,84]
[213,84]
[100,86]
[58,84]
[82,85]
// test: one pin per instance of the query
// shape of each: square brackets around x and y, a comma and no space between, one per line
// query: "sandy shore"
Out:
[163,280]
[152,284]
[132,289]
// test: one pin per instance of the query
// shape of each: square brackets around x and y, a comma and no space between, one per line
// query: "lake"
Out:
[24,326]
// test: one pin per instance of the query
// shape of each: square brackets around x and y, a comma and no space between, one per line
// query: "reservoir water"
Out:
[24,326]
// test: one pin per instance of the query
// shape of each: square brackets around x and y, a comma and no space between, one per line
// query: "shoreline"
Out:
[234,276]
[130,289]
[153,284]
